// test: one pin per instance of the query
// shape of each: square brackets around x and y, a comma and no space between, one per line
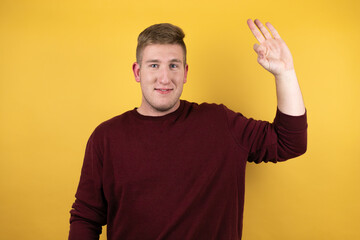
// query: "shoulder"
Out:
[209,113]
[204,107]
[213,109]
[113,125]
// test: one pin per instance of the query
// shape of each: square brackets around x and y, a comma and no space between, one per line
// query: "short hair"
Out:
[162,33]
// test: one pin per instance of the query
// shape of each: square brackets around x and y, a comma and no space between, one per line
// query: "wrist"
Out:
[286,75]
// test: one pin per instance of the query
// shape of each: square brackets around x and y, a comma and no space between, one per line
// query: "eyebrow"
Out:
[157,61]
[152,60]
[176,60]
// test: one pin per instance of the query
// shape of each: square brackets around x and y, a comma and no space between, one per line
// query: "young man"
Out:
[172,169]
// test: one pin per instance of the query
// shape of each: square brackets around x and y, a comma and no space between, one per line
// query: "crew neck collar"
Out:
[175,113]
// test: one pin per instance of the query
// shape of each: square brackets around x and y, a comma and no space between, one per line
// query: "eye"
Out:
[153,65]
[173,65]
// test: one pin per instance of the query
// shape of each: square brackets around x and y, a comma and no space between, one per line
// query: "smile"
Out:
[163,90]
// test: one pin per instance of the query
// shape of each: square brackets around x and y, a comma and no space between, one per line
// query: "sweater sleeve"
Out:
[284,138]
[88,213]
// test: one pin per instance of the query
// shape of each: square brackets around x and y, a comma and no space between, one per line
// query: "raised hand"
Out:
[273,54]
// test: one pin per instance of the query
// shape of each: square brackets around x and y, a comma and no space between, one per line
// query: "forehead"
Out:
[163,52]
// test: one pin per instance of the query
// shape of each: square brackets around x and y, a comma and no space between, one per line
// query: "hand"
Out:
[273,54]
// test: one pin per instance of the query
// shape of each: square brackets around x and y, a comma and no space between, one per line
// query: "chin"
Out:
[165,107]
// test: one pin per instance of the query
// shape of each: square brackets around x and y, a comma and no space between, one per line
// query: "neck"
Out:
[153,112]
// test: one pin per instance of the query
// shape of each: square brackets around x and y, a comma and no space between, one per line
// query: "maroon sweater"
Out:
[176,177]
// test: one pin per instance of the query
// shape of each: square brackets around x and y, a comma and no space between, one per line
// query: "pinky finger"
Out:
[273,31]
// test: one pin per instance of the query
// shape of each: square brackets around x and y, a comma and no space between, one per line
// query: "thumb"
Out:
[260,50]
[263,62]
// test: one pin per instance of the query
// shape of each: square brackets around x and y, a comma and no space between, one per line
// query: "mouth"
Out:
[163,90]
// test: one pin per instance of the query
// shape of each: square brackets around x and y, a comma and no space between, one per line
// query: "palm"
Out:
[273,54]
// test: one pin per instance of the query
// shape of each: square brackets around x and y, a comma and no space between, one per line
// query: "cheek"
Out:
[148,76]
[181,78]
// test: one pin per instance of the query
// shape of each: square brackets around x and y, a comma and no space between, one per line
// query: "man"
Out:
[172,169]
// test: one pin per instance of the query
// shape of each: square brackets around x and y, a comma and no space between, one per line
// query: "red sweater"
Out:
[176,177]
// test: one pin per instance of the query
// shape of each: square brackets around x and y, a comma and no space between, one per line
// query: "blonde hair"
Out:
[163,33]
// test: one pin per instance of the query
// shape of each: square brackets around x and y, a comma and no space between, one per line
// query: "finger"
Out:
[263,29]
[255,31]
[260,50]
[273,30]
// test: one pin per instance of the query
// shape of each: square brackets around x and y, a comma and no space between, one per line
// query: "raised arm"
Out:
[274,56]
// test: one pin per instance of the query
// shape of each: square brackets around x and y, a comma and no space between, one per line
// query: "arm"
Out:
[275,56]
[284,138]
[88,214]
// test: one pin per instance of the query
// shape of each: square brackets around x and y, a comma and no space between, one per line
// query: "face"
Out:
[161,74]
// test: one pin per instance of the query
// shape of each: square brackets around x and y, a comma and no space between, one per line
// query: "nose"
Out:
[164,76]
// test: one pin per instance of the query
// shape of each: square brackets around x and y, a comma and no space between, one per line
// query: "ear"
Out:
[186,72]
[136,70]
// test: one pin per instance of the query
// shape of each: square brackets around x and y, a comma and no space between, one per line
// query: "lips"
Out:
[163,90]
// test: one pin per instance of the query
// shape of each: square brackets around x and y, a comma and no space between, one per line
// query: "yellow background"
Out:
[65,66]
